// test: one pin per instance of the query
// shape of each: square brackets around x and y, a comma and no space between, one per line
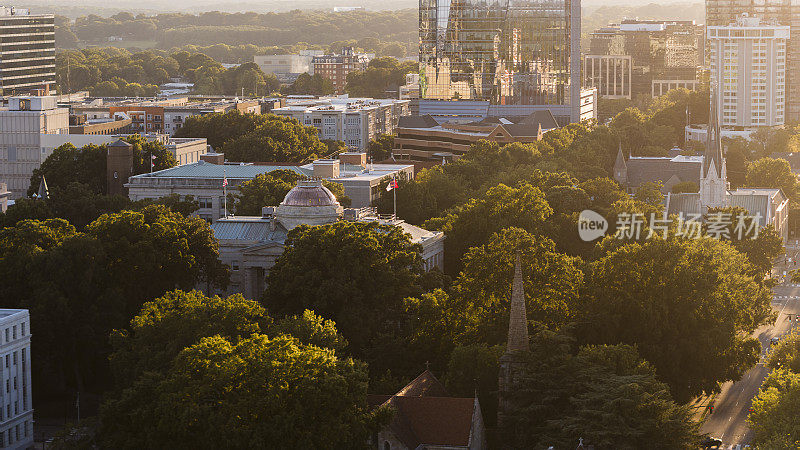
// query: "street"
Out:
[731,407]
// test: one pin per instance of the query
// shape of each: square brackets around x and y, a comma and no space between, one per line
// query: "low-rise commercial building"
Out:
[252,245]
[16,404]
[355,121]
[423,138]
[362,182]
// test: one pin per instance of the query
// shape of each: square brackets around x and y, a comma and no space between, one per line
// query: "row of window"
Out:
[13,434]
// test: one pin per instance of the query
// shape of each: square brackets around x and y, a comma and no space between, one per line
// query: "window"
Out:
[7,391]
[204,202]
[7,335]
[16,411]
[22,326]
[6,361]
[14,332]
[15,383]
[15,358]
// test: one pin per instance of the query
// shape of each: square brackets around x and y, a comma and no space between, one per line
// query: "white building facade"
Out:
[16,407]
[355,121]
[748,64]
[22,126]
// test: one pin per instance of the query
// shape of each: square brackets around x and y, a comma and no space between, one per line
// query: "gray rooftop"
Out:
[202,169]
[644,170]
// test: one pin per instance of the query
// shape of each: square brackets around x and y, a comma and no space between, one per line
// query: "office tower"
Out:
[27,51]
[725,12]
[748,67]
[513,52]
[638,57]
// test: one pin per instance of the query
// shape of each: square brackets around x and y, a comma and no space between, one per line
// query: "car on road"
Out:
[709,442]
[774,341]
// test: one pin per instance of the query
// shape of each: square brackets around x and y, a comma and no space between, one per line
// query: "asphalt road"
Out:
[731,407]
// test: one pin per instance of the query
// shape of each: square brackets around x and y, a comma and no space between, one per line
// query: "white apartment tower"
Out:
[22,128]
[16,408]
[748,64]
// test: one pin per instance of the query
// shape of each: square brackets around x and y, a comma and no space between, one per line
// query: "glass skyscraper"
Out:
[507,52]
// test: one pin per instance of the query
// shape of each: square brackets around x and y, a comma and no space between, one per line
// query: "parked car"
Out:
[774,341]
[709,442]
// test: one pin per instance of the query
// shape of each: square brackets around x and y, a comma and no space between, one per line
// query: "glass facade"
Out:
[27,53]
[509,52]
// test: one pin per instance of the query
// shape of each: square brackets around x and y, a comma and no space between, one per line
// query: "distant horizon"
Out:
[74,8]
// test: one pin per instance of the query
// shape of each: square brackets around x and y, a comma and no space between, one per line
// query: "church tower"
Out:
[713,175]
[518,345]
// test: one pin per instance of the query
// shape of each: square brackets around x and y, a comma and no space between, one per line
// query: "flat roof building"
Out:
[27,51]
[16,402]
[748,68]
[355,121]
[202,180]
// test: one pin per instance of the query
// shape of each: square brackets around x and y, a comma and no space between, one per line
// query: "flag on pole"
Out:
[224,181]
[392,185]
[152,161]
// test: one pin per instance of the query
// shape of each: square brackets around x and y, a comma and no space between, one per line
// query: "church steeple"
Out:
[714,176]
[714,142]
[513,361]
[518,319]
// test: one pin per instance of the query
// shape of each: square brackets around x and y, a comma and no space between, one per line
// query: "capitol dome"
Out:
[308,203]
[310,193]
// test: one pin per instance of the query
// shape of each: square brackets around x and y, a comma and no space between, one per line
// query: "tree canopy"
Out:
[255,137]
[694,331]
[354,273]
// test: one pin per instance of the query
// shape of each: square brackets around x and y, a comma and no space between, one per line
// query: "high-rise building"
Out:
[27,51]
[644,57]
[22,130]
[785,12]
[516,52]
[16,407]
[748,68]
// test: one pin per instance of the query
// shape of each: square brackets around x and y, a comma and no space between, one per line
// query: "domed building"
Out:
[250,245]
[308,203]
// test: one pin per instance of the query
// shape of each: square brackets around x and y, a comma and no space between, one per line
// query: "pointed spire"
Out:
[518,319]
[43,193]
[713,144]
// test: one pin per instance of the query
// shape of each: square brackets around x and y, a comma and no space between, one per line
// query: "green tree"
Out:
[381,76]
[607,395]
[773,173]
[174,321]
[252,393]
[311,329]
[773,418]
[269,189]
[552,283]
[786,355]
[523,206]
[381,148]
[689,306]
[761,250]
[649,193]
[354,273]
[259,138]
[306,84]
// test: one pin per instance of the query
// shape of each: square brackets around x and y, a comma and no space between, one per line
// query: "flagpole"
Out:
[225,190]
[394,194]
